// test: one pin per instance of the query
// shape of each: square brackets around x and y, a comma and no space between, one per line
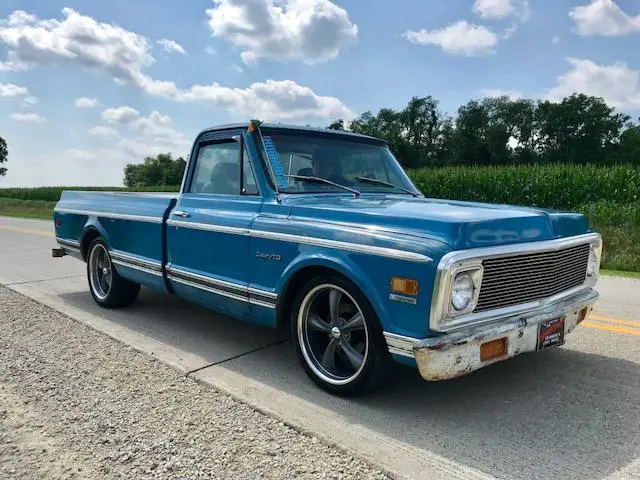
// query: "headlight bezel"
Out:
[475,271]
[596,251]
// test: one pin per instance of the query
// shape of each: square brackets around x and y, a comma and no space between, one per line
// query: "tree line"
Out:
[580,129]
[162,169]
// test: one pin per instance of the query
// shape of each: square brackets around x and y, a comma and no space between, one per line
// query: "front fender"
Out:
[342,264]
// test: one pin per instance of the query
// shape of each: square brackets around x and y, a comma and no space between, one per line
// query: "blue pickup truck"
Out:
[323,233]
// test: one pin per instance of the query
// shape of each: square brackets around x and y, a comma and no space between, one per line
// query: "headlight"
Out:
[462,291]
[593,266]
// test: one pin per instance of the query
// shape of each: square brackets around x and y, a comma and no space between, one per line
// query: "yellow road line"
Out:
[611,328]
[599,318]
[29,231]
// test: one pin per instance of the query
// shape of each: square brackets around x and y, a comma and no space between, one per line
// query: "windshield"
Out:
[337,160]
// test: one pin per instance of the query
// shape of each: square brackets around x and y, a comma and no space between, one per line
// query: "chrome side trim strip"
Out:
[208,227]
[318,242]
[262,293]
[399,344]
[67,242]
[209,289]
[284,237]
[137,261]
[254,301]
[351,247]
[254,296]
[136,267]
[115,216]
[398,351]
[178,272]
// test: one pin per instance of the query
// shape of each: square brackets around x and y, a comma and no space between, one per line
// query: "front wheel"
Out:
[108,288]
[338,337]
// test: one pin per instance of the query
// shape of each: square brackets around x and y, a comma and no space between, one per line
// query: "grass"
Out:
[40,209]
[620,273]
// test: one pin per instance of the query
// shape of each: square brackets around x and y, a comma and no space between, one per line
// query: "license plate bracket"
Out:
[551,334]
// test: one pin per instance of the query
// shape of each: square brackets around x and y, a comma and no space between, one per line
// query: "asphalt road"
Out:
[573,412]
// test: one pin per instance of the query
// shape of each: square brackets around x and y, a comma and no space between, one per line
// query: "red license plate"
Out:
[551,334]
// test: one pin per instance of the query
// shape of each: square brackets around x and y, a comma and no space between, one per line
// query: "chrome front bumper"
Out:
[458,353]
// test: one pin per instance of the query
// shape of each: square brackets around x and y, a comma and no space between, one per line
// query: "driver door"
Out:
[208,229]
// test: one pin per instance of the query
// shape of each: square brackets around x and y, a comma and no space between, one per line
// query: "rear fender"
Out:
[92,227]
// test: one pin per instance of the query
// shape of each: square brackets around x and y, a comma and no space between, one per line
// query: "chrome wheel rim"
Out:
[100,271]
[332,334]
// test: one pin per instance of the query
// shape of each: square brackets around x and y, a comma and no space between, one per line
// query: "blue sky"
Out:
[87,87]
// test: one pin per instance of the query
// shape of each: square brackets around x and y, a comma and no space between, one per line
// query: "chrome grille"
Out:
[519,279]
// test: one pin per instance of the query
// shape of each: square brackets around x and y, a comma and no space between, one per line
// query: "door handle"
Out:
[181,213]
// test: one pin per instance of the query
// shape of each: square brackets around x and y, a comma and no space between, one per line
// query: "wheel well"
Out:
[88,237]
[293,286]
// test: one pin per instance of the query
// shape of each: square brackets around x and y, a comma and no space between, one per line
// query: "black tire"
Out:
[344,375]
[107,287]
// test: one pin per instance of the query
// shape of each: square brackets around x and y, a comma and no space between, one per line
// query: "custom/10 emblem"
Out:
[268,256]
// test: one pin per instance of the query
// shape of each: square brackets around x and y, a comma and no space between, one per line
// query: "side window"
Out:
[217,169]
[249,186]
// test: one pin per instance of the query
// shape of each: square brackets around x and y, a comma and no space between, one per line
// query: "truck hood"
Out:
[459,224]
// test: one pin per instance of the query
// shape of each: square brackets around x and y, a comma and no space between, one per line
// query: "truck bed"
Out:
[133,224]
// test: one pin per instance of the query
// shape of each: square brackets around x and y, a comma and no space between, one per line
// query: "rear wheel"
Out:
[338,337]
[108,288]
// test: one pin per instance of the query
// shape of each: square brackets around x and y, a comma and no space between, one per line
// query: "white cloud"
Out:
[461,38]
[603,17]
[496,92]
[125,55]
[500,9]
[84,102]
[555,40]
[210,51]
[29,101]
[171,46]
[617,84]
[310,31]
[237,68]
[28,117]
[9,90]
[121,115]
[270,100]
[155,128]
[102,131]
[76,38]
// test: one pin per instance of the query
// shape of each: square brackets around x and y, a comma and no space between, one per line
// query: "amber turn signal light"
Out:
[493,349]
[404,285]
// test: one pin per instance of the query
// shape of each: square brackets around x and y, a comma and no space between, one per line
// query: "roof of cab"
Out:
[297,128]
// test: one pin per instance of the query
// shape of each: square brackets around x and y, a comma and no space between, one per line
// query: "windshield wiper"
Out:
[375,181]
[306,178]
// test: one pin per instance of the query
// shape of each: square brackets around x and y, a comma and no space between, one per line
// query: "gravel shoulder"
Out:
[76,404]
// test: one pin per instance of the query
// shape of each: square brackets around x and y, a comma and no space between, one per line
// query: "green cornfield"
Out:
[559,186]
[52,194]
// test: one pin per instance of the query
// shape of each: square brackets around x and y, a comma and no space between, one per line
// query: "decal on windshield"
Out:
[274,159]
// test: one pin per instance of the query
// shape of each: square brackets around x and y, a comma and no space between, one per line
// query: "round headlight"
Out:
[462,291]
